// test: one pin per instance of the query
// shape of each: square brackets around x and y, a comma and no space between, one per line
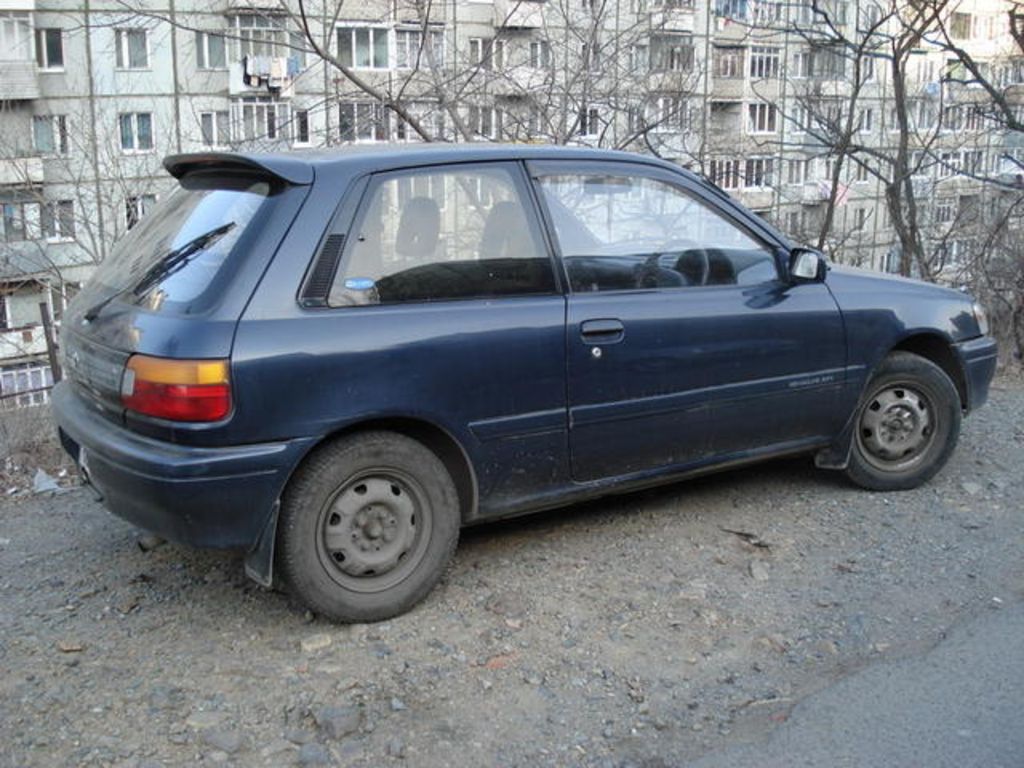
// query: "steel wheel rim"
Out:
[896,428]
[374,530]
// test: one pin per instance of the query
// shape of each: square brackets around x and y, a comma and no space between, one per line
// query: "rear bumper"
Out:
[205,497]
[978,360]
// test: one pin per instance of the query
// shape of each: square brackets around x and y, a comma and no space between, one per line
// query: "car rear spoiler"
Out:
[290,170]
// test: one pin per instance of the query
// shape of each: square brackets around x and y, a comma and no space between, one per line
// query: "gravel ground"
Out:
[644,630]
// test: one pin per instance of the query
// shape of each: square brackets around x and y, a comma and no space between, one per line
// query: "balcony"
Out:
[814,192]
[19,81]
[21,171]
[728,88]
[519,14]
[756,197]
[672,18]
[27,341]
[517,80]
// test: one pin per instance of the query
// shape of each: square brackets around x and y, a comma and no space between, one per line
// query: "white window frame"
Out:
[202,41]
[122,49]
[759,172]
[762,118]
[411,52]
[273,117]
[135,149]
[58,132]
[371,122]
[301,119]
[540,54]
[765,62]
[136,207]
[215,124]
[42,50]
[485,122]
[354,30]
[589,119]
[17,39]
[54,225]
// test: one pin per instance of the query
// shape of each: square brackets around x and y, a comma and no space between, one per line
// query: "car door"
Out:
[685,344]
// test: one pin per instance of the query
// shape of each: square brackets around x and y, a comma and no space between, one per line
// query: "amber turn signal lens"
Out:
[177,390]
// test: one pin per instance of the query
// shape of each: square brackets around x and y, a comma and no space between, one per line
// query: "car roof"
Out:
[301,166]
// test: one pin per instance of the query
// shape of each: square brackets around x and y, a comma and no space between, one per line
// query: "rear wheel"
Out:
[907,425]
[367,526]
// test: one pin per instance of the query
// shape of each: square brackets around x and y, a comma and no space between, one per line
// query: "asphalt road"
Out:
[958,704]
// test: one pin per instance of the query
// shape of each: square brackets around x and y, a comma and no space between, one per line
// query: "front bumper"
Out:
[205,497]
[978,361]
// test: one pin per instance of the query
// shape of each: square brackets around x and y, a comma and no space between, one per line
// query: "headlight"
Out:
[981,318]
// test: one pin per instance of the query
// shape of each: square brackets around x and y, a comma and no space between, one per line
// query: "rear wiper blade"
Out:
[167,263]
[174,260]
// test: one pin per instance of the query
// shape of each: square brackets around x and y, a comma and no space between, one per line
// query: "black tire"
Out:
[368,524]
[907,425]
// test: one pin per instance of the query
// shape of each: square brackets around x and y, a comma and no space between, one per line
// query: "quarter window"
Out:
[442,234]
[619,232]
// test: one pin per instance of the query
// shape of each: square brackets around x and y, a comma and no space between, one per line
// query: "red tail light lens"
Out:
[178,390]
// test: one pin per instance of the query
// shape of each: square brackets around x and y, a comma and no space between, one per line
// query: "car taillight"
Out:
[178,390]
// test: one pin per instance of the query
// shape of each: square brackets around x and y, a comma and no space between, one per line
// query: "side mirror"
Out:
[807,265]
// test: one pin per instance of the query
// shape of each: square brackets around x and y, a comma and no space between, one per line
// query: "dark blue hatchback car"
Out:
[336,360]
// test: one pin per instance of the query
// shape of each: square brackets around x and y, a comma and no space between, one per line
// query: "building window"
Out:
[800,119]
[14,222]
[136,207]
[798,171]
[762,118]
[726,173]
[945,211]
[960,26]
[57,220]
[765,62]
[860,217]
[485,121]
[215,128]
[590,55]
[728,62]
[136,131]
[363,47]
[411,53]
[49,49]
[15,37]
[364,121]
[301,126]
[33,380]
[759,173]
[540,54]
[260,117]
[210,51]
[132,47]
[590,121]
[866,120]
[732,9]
[487,53]
[259,34]
[672,53]
[669,113]
[861,172]
[50,134]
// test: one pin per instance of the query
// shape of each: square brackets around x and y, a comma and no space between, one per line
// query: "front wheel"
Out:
[907,425]
[368,524]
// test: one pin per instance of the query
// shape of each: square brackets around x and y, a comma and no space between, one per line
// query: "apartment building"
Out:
[744,91]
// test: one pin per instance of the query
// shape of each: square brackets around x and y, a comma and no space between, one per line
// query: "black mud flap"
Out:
[837,455]
[259,562]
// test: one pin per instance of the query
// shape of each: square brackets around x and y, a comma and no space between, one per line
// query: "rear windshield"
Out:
[181,251]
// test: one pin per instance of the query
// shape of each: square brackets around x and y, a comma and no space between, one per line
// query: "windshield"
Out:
[180,226]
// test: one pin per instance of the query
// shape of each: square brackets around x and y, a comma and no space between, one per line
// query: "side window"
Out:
[620,232]
[441,234]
